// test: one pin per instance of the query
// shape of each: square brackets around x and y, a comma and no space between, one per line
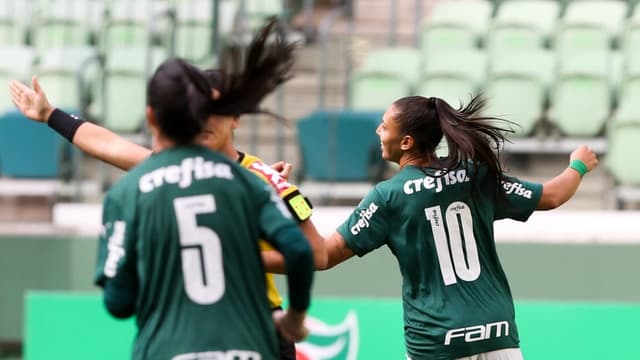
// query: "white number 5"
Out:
[201,251]
[459,224]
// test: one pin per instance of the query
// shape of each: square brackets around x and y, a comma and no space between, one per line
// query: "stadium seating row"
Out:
[93,56]
[576,85]
[560,70]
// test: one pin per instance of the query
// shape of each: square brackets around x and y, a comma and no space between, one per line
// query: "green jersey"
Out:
[181,232]
[456,298]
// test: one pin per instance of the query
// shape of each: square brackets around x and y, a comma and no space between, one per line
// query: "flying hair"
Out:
[474,140]
[247,76]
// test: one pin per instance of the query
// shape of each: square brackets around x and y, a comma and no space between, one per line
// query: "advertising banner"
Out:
[76,326]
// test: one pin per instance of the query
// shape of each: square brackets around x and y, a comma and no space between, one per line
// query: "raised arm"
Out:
[561,188]
[92,139]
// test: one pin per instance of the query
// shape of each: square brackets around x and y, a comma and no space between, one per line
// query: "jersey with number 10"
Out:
[182,230]
[456,298]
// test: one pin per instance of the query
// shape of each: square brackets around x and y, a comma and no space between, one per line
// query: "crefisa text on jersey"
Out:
[517,189]
[435,182]
[363,221]
[190,169]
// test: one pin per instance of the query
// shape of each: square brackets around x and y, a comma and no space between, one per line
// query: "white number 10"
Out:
[459,224]
[201,251]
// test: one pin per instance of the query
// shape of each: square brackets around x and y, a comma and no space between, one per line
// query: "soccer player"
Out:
[436,215]
[179,244]
[179,247]
[268,66]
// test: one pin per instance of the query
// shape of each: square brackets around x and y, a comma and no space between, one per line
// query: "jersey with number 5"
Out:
[457,301]
[182,229]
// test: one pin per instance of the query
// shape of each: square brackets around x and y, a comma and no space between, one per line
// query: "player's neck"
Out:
[418,160]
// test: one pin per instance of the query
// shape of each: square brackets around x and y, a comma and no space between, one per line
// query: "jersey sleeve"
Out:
[116,246]
[297,204]
[273,214]
[522,199]
[367,227]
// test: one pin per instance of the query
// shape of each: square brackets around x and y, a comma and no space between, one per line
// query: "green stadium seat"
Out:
[537,14]
[14,22]
[473,14]
[134,23]
[340,146]
[437,37]
[454,89]
[28,149]
[194,31]
[16,62]
[401,61]
[517,88]
[623,144]
[454,76]
[67,74]
[606,14]
[572,40]
[581,95]
[255,12]
[375,91]
[123,99]
[526,24]
[514,37]
[59,23]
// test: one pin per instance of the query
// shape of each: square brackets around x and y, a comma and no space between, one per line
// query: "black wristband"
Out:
[64,124]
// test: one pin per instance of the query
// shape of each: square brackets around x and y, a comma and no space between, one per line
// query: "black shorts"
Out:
[287,348]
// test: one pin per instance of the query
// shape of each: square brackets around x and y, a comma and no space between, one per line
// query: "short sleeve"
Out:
[522,199]
[116,246]
[367,228]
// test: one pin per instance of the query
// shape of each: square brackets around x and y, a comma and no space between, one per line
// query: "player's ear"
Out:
[407,142]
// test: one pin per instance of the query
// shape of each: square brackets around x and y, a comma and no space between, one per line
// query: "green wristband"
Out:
[579,166]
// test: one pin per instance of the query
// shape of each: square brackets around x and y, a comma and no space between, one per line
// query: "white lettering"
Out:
[185,168]
[220,355]
[172,174]
[478,332]
[273,176]
[115,247]
[435,182]
[516,189]
[365,216]
[184,174]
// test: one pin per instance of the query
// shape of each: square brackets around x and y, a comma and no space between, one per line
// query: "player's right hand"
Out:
[32,103]
[290,324]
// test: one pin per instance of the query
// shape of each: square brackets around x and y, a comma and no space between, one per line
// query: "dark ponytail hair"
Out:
[474,140]
[247,76]
[181,98]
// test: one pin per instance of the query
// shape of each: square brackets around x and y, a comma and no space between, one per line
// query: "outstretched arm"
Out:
[92,139]
[334,250]
[561,188]
[274,261]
